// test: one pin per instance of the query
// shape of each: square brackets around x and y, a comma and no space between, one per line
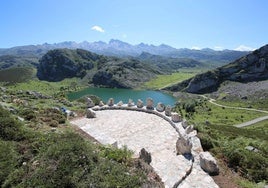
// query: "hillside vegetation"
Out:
[39,148]
[253,67]
[99,70]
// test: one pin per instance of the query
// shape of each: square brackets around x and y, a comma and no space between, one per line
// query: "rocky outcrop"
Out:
[252,67]
[208,163]
[59,64]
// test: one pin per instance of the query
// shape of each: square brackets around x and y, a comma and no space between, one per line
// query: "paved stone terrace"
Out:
[139,130]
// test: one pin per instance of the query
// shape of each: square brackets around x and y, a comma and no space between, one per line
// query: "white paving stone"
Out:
[139,130]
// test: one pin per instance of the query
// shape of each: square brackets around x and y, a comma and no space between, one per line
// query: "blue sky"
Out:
[217,24]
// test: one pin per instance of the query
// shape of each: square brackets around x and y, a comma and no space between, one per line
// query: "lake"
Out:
[124,95]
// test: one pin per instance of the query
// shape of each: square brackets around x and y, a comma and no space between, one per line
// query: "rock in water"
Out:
[208,163]
[183,145]
[160,107]
[145,155]
[110,102]
[140,103]
[90,113]
[149,104]
[168,110]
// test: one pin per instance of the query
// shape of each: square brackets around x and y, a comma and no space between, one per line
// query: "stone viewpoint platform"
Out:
[166,141]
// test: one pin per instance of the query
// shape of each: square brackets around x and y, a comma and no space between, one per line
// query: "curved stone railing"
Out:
[176,125]
[180,127]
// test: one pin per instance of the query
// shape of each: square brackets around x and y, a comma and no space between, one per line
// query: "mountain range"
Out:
[252,67]
[123,49]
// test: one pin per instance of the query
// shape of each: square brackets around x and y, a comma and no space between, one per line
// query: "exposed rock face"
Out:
[90,113]
[208,163]
[110,102]
[252,67]
[90,103]
[145,155]
[149,104]
[160,107]
[183,145]
[168,110]
[59,64]
[140,103]
[175,117]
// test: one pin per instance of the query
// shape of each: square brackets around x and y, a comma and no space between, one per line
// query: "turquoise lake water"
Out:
[124,95]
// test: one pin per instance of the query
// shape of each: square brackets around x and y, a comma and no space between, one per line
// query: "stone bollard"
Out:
[189,129]
[208,163]
[130,103]
[101,104]
[110,102]
[184,145]
[160,107]
[90,103]
[120,103]
[168,110]
[140,103]
[175,117]
[145,155]
[149,104]
[90,113]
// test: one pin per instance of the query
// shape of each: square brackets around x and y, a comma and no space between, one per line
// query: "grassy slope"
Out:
[31,155]
[165,80]
[219,136]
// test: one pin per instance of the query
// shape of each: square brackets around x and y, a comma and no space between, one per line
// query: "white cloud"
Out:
[97,28]
[195,48]
[244,48]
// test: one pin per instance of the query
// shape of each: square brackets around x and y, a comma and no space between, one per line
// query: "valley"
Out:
[34,92]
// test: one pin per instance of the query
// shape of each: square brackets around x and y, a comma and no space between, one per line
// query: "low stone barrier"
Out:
[174,119]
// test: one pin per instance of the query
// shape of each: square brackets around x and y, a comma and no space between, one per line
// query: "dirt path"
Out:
[248,123]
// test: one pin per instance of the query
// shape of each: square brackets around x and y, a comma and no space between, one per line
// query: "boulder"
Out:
[140,103]
[168,110]
[175,117]
[89,102]
[120,103]
[110,102]
[145,155]
[160,107]
[149,104]
[101,103]
[90,113]
[208,163]
[183,145]
[130,103]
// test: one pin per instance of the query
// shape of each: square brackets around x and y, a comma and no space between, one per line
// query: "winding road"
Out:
[248,123]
